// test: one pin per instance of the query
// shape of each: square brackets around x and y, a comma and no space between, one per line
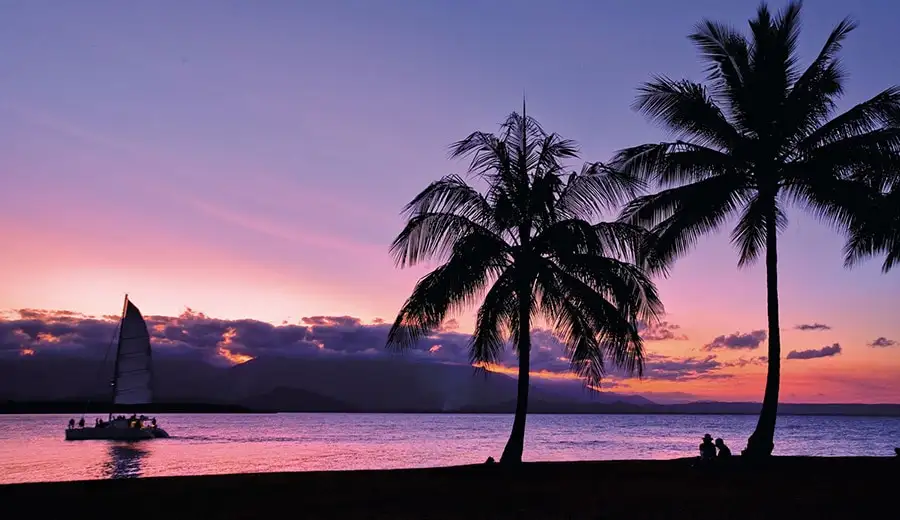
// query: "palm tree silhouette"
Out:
[526,249]
[752,139]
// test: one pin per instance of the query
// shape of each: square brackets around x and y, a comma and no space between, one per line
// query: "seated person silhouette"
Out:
[707,448]
[724,451]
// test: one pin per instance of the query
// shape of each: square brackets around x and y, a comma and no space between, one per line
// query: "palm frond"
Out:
[497,317]
[728,54]
[678,217]
[829,197]
[811,99]
[687,111]
[619,240]
[451,194]
[749,235]
[773,56]
[552,150]
[871,115]
[614,324]
[433,236]
[596,190]
[876,230]
[574,328]
[871,155]
[490,156]
[675,163]
[870,216]
[623,283]
[476,260]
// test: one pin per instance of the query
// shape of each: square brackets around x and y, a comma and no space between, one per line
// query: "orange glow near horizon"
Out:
[88,276]
[857,374]
[514,371]
[235,358]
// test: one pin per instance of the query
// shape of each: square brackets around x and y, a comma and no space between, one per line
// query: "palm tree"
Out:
[755,137]
[525,250]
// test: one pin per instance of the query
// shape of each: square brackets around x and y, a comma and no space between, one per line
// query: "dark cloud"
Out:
[749,341]
[683,369]
[194,334]
[660,331]
[744,362]
[34,332]
[826,351]
[671,368]
[882,342]
[813,326]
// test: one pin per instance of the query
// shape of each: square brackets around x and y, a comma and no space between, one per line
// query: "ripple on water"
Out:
[32,447]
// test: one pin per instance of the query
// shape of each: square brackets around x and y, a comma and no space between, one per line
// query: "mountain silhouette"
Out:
[346,384]
[296,384]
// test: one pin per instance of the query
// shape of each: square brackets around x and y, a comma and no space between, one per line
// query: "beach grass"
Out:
[785,487]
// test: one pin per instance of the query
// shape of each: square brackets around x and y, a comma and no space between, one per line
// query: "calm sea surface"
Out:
[32,446]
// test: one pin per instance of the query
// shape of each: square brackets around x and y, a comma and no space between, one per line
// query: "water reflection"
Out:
[124,461]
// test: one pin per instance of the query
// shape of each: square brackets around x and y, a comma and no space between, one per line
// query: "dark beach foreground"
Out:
[786,487]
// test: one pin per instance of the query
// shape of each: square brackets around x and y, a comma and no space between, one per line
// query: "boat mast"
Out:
[116,366]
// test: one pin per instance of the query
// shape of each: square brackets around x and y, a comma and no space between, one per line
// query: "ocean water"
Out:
[33,449]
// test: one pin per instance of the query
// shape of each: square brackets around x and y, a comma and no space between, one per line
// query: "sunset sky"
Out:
[250,159]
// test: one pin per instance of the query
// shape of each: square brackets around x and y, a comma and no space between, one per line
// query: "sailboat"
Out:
[131,385]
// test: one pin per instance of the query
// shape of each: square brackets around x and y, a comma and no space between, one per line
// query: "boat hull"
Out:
[115,434]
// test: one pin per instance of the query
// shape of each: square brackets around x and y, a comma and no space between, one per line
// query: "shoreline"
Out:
[784,487]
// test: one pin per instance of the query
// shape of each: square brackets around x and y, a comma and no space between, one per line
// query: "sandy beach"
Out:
[785,487]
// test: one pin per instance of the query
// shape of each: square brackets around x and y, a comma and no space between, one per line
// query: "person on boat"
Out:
[153,422]
[81,422]
[707,448]
[71,423]
[724,451]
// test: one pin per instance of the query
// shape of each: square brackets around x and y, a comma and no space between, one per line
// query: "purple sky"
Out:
[249,159]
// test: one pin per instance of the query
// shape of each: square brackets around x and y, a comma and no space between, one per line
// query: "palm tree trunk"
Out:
[762,442]
[512,453]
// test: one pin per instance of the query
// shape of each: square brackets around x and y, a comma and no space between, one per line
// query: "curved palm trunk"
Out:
[512,453]
[762,441]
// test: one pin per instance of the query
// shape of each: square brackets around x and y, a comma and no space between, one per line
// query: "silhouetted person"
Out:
[71,423]
[81,422]
[724,451]
[707,448]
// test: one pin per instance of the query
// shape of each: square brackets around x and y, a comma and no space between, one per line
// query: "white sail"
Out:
[133,365]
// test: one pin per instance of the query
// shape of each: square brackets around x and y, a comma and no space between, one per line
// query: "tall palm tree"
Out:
[756,136]
[525,249]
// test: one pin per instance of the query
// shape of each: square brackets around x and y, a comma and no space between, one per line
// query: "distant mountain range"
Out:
[391,384]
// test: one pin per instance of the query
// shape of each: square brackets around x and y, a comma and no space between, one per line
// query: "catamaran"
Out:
[131,385]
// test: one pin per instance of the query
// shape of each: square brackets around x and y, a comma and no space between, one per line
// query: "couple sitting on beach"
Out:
[708,449]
